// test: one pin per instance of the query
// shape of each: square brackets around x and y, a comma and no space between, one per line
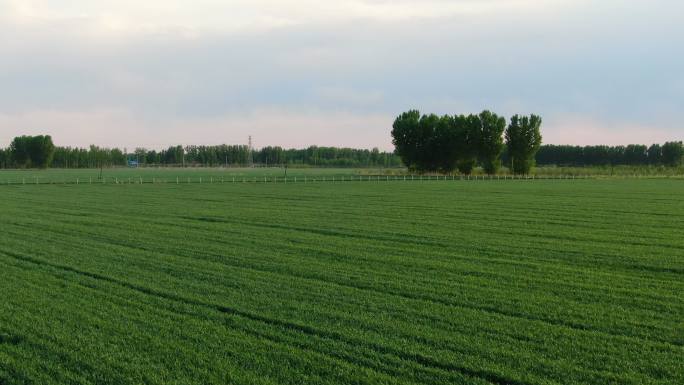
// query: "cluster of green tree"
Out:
[29,151]
[92,157]
[328,156]
[240,155]
[5,158]
[445,143]
[194,155]
[424,143]
[668,154]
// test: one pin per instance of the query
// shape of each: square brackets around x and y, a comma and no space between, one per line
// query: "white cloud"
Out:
[583,131]
[326,71]
[267,126]
[349,96]
[234,16]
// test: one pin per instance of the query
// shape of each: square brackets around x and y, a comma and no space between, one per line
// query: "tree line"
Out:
[424,143]
[29,151]
[39,152]
[668,154]
[227,155]
[446,143]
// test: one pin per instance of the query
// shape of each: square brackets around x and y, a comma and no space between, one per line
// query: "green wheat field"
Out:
[440,282]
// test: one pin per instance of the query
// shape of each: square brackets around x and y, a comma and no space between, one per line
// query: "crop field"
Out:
[238,174]
[171,174]
[441,282]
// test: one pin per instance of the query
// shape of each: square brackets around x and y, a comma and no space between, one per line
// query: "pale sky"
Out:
[294,73]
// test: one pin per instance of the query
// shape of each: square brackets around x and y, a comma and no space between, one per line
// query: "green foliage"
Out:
[320,156]
[174,155]
[5,158]
[636,154]
[32,151]
[468,133]
[491,142]
[672,153]
[539,282]
[633,155]
[20,150]
[444,145]
[42,151]
[207,156]
[428,142]
[94,156]
[655,154]
[428,147]
[433,143]
[405,137]
[523,139]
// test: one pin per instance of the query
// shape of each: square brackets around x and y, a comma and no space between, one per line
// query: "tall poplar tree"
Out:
[523,139]
[491,143]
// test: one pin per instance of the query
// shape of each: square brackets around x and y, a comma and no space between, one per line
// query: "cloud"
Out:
[162,67]
[235,16]
[582,131]
[267,126]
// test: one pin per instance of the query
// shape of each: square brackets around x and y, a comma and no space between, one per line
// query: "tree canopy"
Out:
[523,139]
[668,154]
[32,151]
[672,153]
[21,155]
[445,143]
